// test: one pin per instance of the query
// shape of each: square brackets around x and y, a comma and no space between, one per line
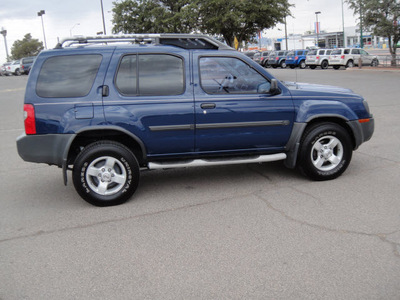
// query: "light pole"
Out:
[40,14]
[317,26]
[70,31]
[361,27]
[344,34]
[102,14]
[286,34]
[4,33]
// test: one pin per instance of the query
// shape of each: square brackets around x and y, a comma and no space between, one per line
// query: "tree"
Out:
[152,16]
[26,47]
[239,18]
[227,18]
[382,17]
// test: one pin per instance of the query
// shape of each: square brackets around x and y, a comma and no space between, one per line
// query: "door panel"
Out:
[151,98]
[232,110]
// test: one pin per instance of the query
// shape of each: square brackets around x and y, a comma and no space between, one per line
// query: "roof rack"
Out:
[186,41]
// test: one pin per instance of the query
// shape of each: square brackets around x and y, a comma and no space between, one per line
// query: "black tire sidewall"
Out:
[311,136]
[94,151]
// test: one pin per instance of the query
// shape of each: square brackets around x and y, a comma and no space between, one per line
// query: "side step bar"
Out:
[215,162]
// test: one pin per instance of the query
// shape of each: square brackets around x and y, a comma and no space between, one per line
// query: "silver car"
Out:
[318,57]
[350,57]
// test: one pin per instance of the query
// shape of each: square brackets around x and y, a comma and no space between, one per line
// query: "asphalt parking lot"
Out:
[233,232]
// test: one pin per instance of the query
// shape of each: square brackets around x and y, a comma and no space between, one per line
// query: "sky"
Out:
[83,17]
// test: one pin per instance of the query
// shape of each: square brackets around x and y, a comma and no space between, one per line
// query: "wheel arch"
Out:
[87,136]
[293,145]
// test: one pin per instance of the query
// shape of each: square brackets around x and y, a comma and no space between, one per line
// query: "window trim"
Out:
[227,56]
[137,54]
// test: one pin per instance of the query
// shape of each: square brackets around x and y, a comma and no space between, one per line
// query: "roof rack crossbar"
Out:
[188,41]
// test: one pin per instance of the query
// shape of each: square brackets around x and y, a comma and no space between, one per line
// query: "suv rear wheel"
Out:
[106,173]
[283,64]
[324,65]
[325,151]
[350,64]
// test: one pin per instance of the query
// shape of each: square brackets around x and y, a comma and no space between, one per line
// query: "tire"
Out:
[350,64]
[325,151]
[336,67]
[324,65]
[313,67]
[375,63]
[106,173]
[17,72]
[302,64]
[283,64]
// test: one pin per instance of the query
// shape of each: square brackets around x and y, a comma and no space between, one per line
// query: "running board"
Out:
[215,162]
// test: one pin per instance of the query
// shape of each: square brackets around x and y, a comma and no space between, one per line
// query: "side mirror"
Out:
[274,89]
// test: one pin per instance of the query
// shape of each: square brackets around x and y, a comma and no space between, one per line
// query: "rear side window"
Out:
[355,51]
[150,75]
[68,76]
[321,52]
[300,53]
[346,51]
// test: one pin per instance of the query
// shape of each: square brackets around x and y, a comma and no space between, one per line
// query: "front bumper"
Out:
[362,131]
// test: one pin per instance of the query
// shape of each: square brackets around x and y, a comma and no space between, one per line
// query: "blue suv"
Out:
[108,111]
[296,58]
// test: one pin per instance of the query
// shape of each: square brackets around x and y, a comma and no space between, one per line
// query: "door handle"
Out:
[207,105]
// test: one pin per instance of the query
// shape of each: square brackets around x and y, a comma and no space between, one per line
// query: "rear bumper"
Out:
[50,149]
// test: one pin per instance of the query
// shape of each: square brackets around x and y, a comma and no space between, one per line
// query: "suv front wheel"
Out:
[106,173]
[325,151]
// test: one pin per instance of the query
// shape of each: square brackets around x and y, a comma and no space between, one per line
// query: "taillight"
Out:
[342,57]
[276,58]
[296,58]
[29,119]
[22,67]
[317,57]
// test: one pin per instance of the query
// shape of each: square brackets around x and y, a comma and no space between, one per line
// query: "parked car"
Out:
[26,64]
[277,59]
[250,54]
[14,68]
[257,57]
[349,57]
[296,58]
[109,111]
[4,69]
[264,58]
[318,58]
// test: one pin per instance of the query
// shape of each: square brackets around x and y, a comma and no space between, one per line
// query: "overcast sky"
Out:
[19,17]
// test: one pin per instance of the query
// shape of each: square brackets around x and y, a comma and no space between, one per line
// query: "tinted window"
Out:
[68,76]
[328,52]
[346,51]
[321,52]
[126,76]
[336,52]
[300,53]
[355,51]
[229,75]
[312,52]
[160,75]
[27,60]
